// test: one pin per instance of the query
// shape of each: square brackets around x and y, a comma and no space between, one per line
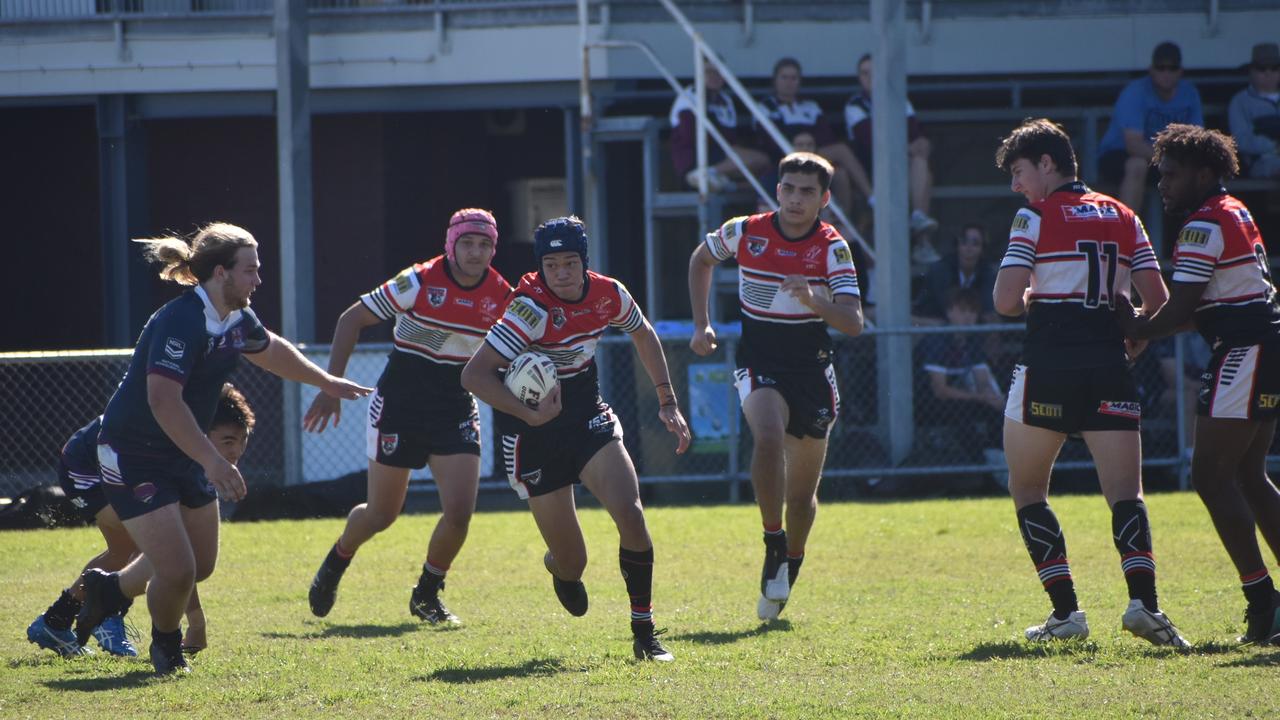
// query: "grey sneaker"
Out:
[1155,628]
[1054,629]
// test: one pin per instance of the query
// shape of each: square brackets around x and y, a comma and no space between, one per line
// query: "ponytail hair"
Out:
[190,262]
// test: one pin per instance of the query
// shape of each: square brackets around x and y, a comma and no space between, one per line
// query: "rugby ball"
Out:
[530,377]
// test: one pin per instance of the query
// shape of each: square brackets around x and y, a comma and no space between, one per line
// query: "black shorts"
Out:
[1242,383]
[406,434]
[540,460]
[135,485]
[1074,400]
[83,491]
[813,401]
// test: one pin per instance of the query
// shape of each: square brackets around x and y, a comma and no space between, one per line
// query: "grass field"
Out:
[904,609]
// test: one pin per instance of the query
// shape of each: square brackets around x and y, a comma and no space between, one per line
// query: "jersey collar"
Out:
[1075,186]
[773,217]
[212,323]
[448,272]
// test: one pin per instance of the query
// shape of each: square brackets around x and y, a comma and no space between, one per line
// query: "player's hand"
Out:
[1134,348]
[671,416]
[798,287]
[322,408]
[226,479]
[703,341]
[1125,315]
[546,410]
[344,389]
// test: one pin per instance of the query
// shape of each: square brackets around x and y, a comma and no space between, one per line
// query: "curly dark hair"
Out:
[1034,138]
[1197,147]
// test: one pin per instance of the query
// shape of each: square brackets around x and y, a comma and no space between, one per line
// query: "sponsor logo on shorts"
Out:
[1191,236]
[470,431]
[1129,409]
[146,492]
[557,317]
[757,244]
[1046,410]
[600,422]
[79,502]
[388,442]
[175,348]
[1088,211]
[531,478]
[1268,402]
[765,380]
[436,296]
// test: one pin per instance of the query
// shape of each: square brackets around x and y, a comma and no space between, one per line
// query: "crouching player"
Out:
[81,480]
[573,436]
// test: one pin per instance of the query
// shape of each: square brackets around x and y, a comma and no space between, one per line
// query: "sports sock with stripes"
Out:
[1258,588]
[1048,549]
[62,612]
[1132,534]
[432,575]
[637,573]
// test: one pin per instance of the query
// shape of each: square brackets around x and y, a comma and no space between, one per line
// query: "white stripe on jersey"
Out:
[1232,281]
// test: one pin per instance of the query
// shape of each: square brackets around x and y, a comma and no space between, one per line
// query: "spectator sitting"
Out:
[793,115]
[963,391]
[1145,107]
[1254,114]
[965,268]
[857,125]
[721,111]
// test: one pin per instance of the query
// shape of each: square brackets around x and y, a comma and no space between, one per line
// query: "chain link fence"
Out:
[959,379]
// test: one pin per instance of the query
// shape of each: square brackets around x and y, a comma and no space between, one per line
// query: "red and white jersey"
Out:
[1220,245]
[436,318]
[779,332]
[567,332]
[1082,248]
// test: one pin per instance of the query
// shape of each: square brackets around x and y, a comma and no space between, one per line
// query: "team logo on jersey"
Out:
[1242,217]
[1088,211]
[488,306]
[757,244]
[531,478]
[175,348]
[1128,409]
[388,442]
[603,307]
[557,317]
[237,338]
[811,255]
[1192,236]
[524,312]
[436,296]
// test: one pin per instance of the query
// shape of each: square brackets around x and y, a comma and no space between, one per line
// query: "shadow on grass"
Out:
[131,679]
[1260,659]
[365,630]
[717,637]
[1014,650]
[537,667]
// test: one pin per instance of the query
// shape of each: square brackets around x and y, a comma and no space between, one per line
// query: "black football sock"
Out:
[793,567]
[637,573]
[338,559]
[1132,533]
[170,641]
[1048,549]
[62,612]
[1258,589]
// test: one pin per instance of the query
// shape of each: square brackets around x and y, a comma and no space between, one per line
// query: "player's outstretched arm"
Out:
[480,378]
[283,359]
[173,415]
[345,336]
[701,264]
[654,360]
[1173,316]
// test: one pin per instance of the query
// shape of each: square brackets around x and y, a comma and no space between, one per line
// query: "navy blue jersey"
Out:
[80,454]
[186,342]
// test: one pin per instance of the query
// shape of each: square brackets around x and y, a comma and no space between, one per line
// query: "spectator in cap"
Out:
[1254,114]
[1145,107]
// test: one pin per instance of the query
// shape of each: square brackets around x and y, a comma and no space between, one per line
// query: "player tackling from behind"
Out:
[572,436]
[419,415]
[1222,283]
[795,279]
[1073,253]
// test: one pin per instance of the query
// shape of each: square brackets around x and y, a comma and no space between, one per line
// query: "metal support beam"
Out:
[122,199]
[297,244]
[892,238]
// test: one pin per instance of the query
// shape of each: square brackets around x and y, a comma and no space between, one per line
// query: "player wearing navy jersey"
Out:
[160,472]
[795,278]
[1073,253]
[81,481]
[572,435]
[1222,284]
[420,414]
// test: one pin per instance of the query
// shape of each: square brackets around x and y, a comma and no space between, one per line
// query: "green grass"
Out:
[904,609]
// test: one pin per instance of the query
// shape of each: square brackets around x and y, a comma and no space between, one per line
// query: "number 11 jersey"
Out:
[1082,247]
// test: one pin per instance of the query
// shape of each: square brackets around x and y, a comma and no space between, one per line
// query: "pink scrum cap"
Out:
[470,220]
